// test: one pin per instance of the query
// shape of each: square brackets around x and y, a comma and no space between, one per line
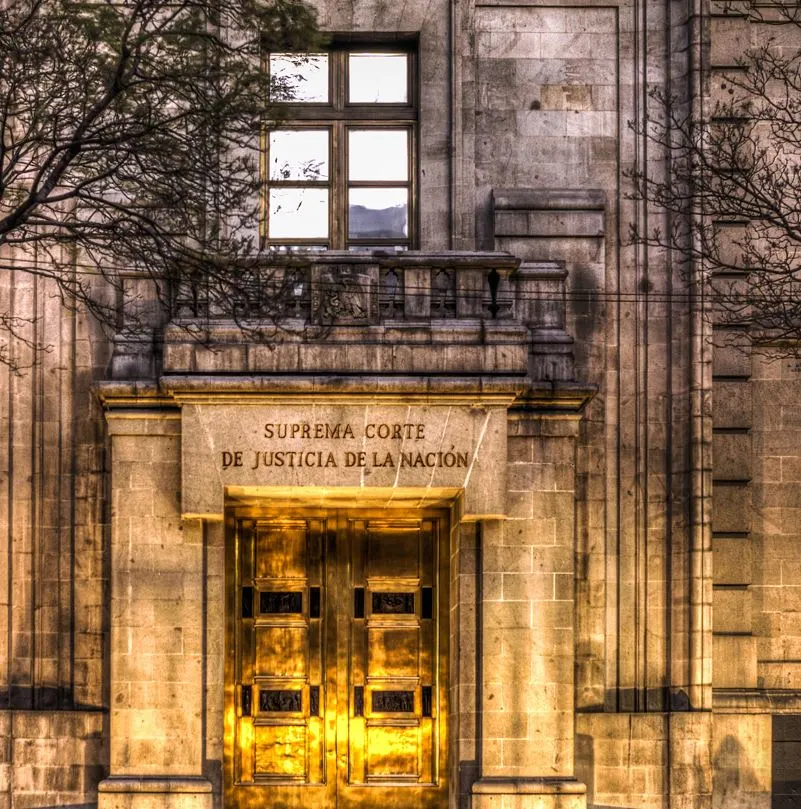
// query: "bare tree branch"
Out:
[129,133]
[733,187]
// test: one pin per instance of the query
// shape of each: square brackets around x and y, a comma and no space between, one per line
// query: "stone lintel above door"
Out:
[430,449]
[414,440]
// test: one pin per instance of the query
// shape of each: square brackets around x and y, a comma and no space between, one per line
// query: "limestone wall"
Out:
[51,758]
[741,757]
[776,578]
[755,454]
[52,511]
[605,555]
[53,555]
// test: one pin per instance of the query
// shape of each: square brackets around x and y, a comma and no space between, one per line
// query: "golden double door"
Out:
[336,660]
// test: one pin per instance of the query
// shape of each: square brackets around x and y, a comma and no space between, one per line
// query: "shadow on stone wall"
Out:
[728,761]
[736,784]
[586,773]
[585,765]
[54,758]
[41,698]
[213,772]
[584,305]
[468,775]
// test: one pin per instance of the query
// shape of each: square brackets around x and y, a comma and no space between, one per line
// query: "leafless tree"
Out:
[130,141]
[731,188]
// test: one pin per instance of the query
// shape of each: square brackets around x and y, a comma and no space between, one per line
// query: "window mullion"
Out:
[338,62]
[340,191]
[413,225]
[339,178]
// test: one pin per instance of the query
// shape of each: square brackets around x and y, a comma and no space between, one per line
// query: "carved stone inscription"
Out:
[311,432]
[386,446]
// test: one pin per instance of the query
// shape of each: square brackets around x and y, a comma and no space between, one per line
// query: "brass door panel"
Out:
[336,660]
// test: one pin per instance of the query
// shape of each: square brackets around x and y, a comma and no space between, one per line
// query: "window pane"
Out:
[299,154]
[378,78]
[387,248]
[378,154]
[298,213]
[378,213]
[299,77]
[281,249]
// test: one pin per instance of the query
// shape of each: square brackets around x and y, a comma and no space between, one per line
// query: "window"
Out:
[785,761]
[340,169]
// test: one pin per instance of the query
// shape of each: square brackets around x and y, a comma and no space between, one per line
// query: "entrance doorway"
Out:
[336,659]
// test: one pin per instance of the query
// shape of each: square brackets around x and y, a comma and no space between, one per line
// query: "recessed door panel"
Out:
[393,753]
[281,651]
[281,551]
[395,649]
[336,660]
[392,550]
[281,751]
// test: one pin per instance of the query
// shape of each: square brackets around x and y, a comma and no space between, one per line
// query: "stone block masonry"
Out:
[598,657]
[52,758]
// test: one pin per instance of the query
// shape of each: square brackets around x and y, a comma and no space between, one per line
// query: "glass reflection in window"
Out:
[378,213]
[299,77]
[299,154]
[298,213]
[378,78]
[378,154]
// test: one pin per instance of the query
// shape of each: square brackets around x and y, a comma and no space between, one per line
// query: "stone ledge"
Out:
[256,389]
[545,785]
[516,392]
[471,259]
[155,783]
[755,700]
[548,212]
[154,792]
[529,793]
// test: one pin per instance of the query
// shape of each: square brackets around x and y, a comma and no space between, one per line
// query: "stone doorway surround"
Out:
[509,623]
[481,419]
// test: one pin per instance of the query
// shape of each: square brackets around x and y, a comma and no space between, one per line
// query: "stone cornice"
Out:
[516,393]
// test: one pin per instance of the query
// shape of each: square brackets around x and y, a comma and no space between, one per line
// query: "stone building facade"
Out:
[491,523]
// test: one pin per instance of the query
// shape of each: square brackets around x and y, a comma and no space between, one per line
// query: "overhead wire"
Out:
[572,293]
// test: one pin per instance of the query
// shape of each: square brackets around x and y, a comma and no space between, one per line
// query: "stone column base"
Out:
[154,792]
[529,793]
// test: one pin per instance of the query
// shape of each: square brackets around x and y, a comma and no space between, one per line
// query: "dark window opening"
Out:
[786,764]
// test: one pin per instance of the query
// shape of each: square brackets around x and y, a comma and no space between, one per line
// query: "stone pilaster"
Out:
[156,623]
[527,617]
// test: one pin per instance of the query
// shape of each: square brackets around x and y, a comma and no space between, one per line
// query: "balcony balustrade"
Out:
[377,300]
